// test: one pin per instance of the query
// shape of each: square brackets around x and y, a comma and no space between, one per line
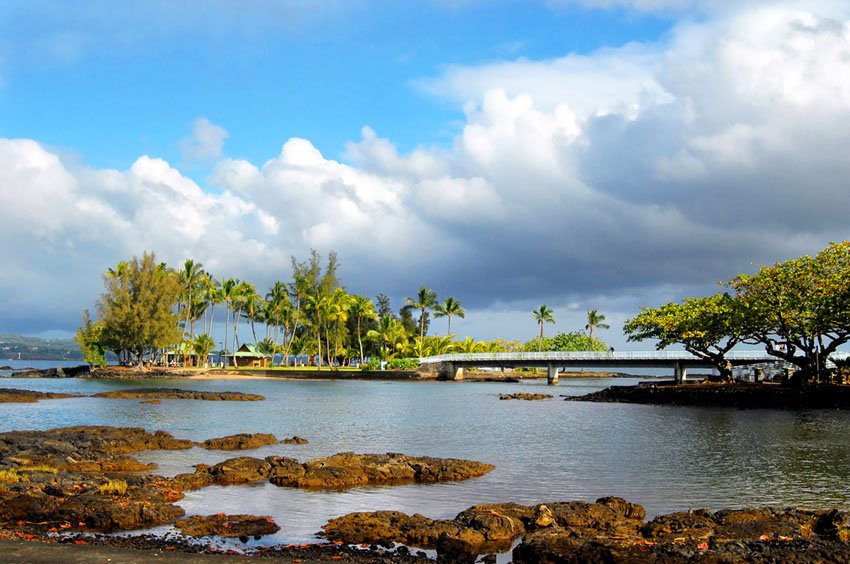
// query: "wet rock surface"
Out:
[232,526]
[176,393]
[58,372]
[339,471]
[14,395]
[524,396]
[609,530]
[295,440]
[742,395]
[241,441]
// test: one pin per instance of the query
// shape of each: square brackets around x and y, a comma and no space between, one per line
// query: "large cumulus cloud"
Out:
[611,180]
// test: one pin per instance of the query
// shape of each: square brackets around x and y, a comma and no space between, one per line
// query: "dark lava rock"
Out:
[741,395]
[14,395]
[295,440]
[524,396]
[58,372]
[242,441]
[340,471]
[151,402]
[492,527]
[232,526]
[84,448]
[176,393]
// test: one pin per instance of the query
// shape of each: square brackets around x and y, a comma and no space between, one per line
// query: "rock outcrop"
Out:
[232,526]
[176,393]
[524,396]
[340,471]
[241,441]
[14,395]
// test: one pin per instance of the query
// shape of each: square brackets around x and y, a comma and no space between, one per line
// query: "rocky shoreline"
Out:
[741,395]
[70,485]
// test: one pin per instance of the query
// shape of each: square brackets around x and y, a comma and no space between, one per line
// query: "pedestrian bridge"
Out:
[451,366]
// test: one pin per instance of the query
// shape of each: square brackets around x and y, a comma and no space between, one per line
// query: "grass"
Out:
[113,487]
[39,468]
[12,476]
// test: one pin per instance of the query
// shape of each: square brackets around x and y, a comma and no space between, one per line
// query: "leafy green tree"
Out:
[595,320]
[450,307]
[707,327]
[383,307]
[799,309]
[391,334]
[90,337]
[470,345]
[192,277]
[543,315]
[138,307]
[425,300]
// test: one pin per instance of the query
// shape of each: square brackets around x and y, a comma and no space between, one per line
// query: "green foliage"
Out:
[799,309]
[90,336]
[566,342]
[707,327]
[450,307]
[33,348]
[403,364]
[374,363]
[138,306]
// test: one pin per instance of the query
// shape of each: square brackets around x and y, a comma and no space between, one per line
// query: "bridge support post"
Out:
[452,371]
[552,374]
[680,373]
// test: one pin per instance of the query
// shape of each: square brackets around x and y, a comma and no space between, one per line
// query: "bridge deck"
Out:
[593,358]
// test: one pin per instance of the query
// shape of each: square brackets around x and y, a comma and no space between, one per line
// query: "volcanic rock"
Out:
[242,441]
[222,525]
[14,395]
[176,393]
[524,396]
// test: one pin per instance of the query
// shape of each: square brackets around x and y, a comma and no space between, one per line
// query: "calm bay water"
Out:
[665,457]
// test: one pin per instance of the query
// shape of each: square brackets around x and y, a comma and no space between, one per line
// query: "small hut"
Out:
[248,355]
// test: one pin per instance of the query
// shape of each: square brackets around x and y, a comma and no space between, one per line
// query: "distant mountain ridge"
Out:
[32,348]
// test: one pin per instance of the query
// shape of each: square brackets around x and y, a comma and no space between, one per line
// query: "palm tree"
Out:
[449,308]
[470,345]
[362,308]
[191,277]
[239,295]
[425,299]
[228,296]
[543,315]
[595,321]
[390,333]
[201,346]
[252,306]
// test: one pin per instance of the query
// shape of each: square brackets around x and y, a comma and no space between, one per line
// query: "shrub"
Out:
[113,487]
[374,363]
[403,364]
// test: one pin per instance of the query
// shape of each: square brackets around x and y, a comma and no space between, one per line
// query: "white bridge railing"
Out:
[625,356]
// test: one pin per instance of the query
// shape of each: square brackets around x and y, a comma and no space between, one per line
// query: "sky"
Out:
[583,154]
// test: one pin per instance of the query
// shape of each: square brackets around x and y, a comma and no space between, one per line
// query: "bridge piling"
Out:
[552,374]
[680,373]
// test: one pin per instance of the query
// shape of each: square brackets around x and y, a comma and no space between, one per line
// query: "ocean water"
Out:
[667,458]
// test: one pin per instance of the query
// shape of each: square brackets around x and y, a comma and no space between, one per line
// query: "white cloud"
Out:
[205,143]
[615,179]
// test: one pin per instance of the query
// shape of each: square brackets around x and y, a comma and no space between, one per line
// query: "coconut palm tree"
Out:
[595,320]
[425,299]
[543,315]
[228,296]
[470,345]
[362,308]
[191,277]
[390,333]
[449,308]
[201,346]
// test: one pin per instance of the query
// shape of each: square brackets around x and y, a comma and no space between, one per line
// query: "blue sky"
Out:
[110,97]
[605,154]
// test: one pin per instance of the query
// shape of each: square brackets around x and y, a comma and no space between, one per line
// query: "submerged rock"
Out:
[524,396]
[232,526]
[242,441]
[295,440]
[15,395]
[176,393]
